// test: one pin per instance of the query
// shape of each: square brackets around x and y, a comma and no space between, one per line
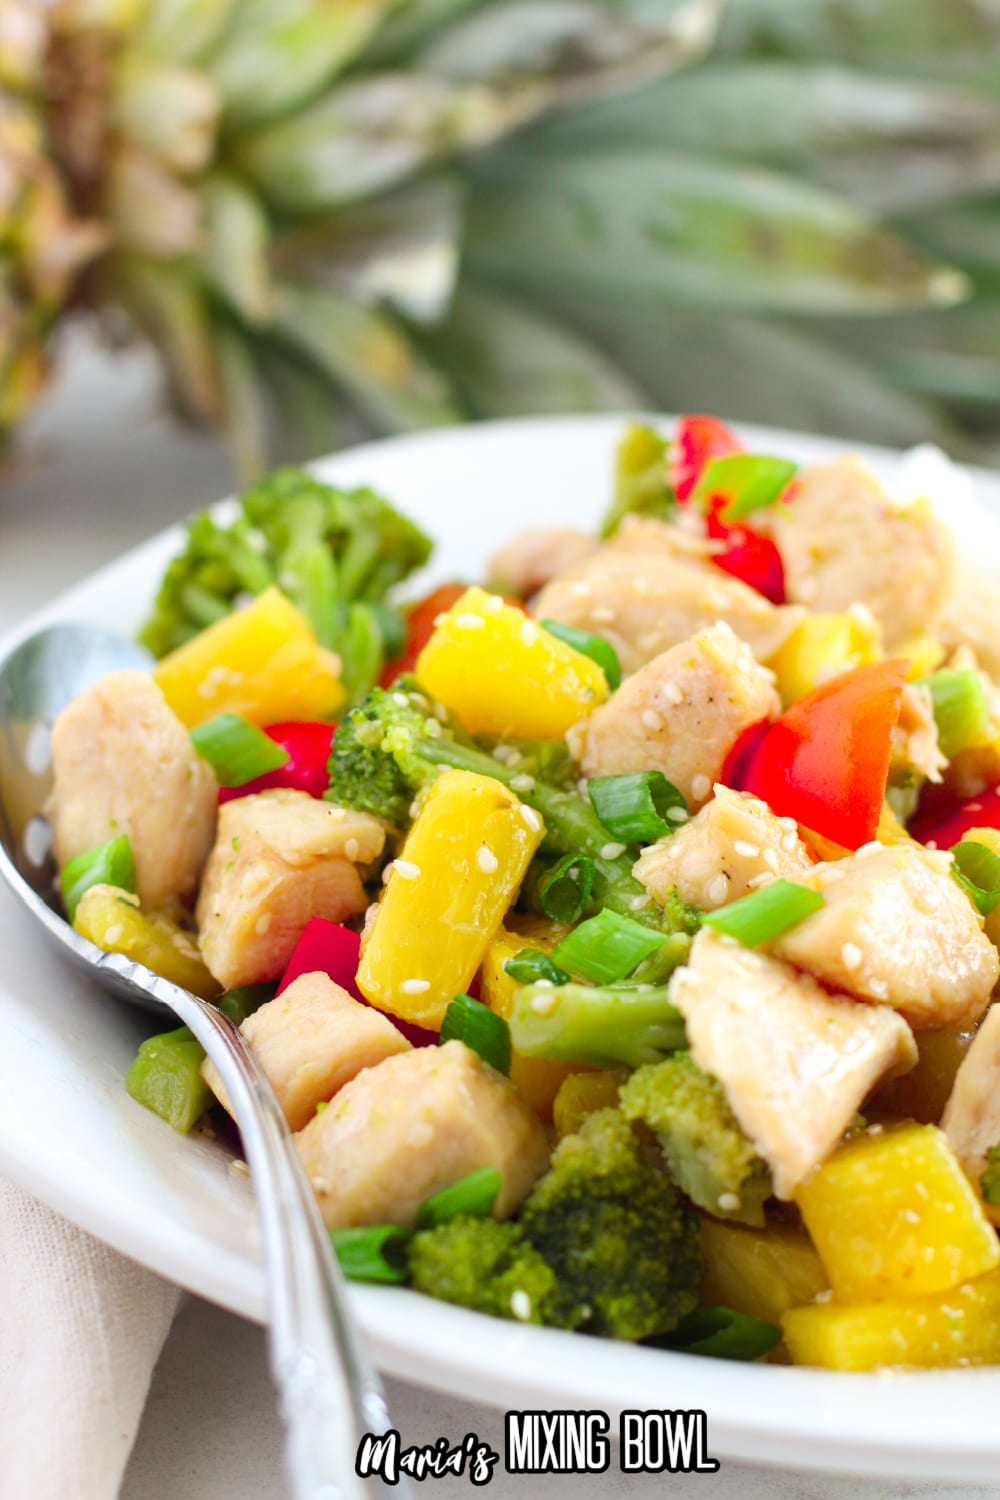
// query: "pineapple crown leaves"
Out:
[386,213]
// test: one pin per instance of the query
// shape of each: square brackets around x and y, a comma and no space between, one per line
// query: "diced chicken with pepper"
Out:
[896,929]
[733,846]
[644,607]
[123,764]
[311,1040]
[412,1126]
[794,1060]
[843,542]
[681,714]
[971,1118]
[280,857]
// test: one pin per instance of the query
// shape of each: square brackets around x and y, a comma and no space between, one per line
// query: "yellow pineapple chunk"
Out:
[500,673]
[538,1079]
[958,1327]
[759,1272]
[894,1216]
[823,646]
[111,919]
[449,890]
[263,662]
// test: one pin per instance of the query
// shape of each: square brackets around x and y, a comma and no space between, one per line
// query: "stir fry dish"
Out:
[618,931]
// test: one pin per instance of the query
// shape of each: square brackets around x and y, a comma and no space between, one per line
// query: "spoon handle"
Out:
[329,1393]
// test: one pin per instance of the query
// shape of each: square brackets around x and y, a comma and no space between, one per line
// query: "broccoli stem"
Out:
[570,822]
[605,1027]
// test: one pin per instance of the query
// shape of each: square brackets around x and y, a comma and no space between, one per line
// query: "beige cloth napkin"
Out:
[81,1328]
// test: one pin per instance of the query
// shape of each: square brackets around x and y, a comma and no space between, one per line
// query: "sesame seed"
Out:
[746,849]
[603,614]
[639,903]
[651,719]
[531,819]
[771,859]
[352,849]
[717,889]
[114,933]
[764,878]
[673,692]
[407,870]
[520,1305]
[440,619]
[612,851]
[728,1203]
[415,986]
[401,699]
[503,753]
[723,626]
[440,713]
[486,860]
[789,842]
[528,633]
[544,1005]
[581,589]
[931,844]
[879,989]
[263,923]
[492,604]
[851,956]
[677,815]
[522,782]
[973,807]
[468,621]
[700,787]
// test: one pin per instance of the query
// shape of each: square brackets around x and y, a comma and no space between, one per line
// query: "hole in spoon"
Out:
[37,841]
[38,749]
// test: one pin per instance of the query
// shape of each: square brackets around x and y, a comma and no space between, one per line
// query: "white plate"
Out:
[69,1133]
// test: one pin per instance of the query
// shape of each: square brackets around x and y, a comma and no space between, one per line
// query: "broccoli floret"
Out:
[390,748]
[490,1268]
[335,553]
[607,1026]
[989,1178]
[622,1243]
[642,483]
[706,1151]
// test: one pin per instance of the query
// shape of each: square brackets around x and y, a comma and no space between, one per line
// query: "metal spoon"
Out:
[330,1394]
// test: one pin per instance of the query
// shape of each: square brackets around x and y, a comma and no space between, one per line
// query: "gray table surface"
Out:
[104,468]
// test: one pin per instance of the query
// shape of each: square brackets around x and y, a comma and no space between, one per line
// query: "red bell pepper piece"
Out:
[328,948]
[697,441]
[747,555]
[308,746]
[942,830]
[420,627]
[825,762]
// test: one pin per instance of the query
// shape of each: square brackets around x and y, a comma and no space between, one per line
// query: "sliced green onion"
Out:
[470,1021]
[977,870]
[109,864]
[762,915]
[238,752]
[564,890]
[749,481]
[375,1252]
[961,710]
[531,964]
[242,1002]
[594,646]
[723,1334]
[607,948]
[639,807]
[472,1197]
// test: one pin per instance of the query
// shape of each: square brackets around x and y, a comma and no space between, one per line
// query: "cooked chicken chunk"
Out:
[897,929]
[674,539]
[795,1062]
[311,1040]
[843,542]
[124,763]
[643,603]
[731,847]
[411,1127]
[972,616]
[915,749]
[971,1118]
[279,858]
[681,714]
[528,562]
